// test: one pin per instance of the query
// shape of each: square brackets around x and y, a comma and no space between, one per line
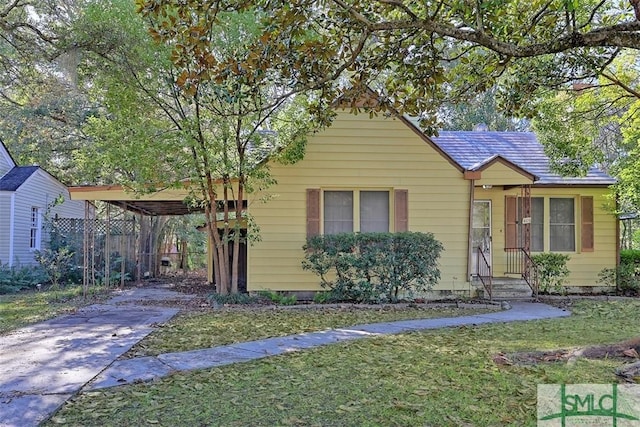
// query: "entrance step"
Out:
[508,288]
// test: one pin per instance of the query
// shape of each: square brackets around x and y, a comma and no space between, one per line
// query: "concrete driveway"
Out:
[41,366]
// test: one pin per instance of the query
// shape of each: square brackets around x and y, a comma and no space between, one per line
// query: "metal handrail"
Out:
[530,273]
[484,267]
[520,262]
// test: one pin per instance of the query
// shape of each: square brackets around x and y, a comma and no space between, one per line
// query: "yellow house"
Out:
[489,197]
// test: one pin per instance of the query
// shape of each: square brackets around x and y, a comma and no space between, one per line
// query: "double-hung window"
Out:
[552,223]
[345,211]
[562,225]
[34,230]
[537,224]
[358,210]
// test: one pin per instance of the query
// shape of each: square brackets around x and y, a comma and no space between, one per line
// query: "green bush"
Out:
[237,298]
[58,265]
[17,278]
[625,277]
[278,297]
[373,267]
[630,257]
[552,271]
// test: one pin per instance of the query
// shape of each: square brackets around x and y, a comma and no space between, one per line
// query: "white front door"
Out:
[481,233]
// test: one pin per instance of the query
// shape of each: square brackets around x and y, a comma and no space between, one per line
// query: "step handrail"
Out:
[520,262]
[483,266]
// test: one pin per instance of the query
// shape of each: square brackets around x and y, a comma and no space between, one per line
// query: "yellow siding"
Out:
[501,174]
[583,266]
[360,153]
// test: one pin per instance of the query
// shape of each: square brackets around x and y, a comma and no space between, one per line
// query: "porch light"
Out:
[487,186]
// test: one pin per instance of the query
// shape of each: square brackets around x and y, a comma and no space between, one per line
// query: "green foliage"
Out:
[233,299]
[58,264]
[323,297]
[625,277]
[278,297]
[552,271]
[30,306]
[374,267]
[17,278]
[482,109]
[630,256]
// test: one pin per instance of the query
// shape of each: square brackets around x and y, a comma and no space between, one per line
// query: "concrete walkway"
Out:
[44,365]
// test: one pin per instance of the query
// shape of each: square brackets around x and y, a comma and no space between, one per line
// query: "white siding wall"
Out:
[40,191]
[5,216]
[5,161]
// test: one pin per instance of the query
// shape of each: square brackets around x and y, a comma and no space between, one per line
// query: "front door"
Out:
[481,235]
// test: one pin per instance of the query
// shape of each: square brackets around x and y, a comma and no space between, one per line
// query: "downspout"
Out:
[12,215]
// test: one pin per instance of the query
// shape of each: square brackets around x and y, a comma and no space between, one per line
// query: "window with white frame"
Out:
[358,210]
[34,231]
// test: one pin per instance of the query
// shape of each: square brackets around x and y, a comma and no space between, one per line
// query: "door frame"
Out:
[488,242]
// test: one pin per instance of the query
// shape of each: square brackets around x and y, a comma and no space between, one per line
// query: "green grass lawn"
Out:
[25,308]
[190,331]
[434,378]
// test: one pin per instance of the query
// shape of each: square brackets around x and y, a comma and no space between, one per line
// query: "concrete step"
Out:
[508,288]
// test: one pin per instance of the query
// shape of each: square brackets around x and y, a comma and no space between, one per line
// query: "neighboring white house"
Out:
[28,196]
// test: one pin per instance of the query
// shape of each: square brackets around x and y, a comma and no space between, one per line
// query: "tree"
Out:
[480,110]
[417,54]
[596,123]
[160,126]
[43,101]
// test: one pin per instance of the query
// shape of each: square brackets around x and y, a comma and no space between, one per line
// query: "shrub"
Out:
[373,267]
[237,298]
[57,264]
[17,278]
[278,297]
[630,257]
[552,271]
[625,277]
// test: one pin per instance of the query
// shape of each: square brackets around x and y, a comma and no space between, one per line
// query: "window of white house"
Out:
[562,226]
[340,211]
[34,232]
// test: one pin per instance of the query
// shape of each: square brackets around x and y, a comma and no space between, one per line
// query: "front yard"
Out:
[25,308]
[443,377]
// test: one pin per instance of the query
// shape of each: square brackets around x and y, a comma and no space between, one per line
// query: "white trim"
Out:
[12,214]
[35,242]
[488,244]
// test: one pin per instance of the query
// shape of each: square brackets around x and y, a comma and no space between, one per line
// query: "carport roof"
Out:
[162,202]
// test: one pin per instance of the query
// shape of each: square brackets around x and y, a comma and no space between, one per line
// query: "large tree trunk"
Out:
[220,265]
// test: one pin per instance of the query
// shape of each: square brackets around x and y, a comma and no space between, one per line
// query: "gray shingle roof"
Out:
[13,179]
[469,149]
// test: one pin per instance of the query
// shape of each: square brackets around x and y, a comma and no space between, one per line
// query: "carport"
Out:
[104,238]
